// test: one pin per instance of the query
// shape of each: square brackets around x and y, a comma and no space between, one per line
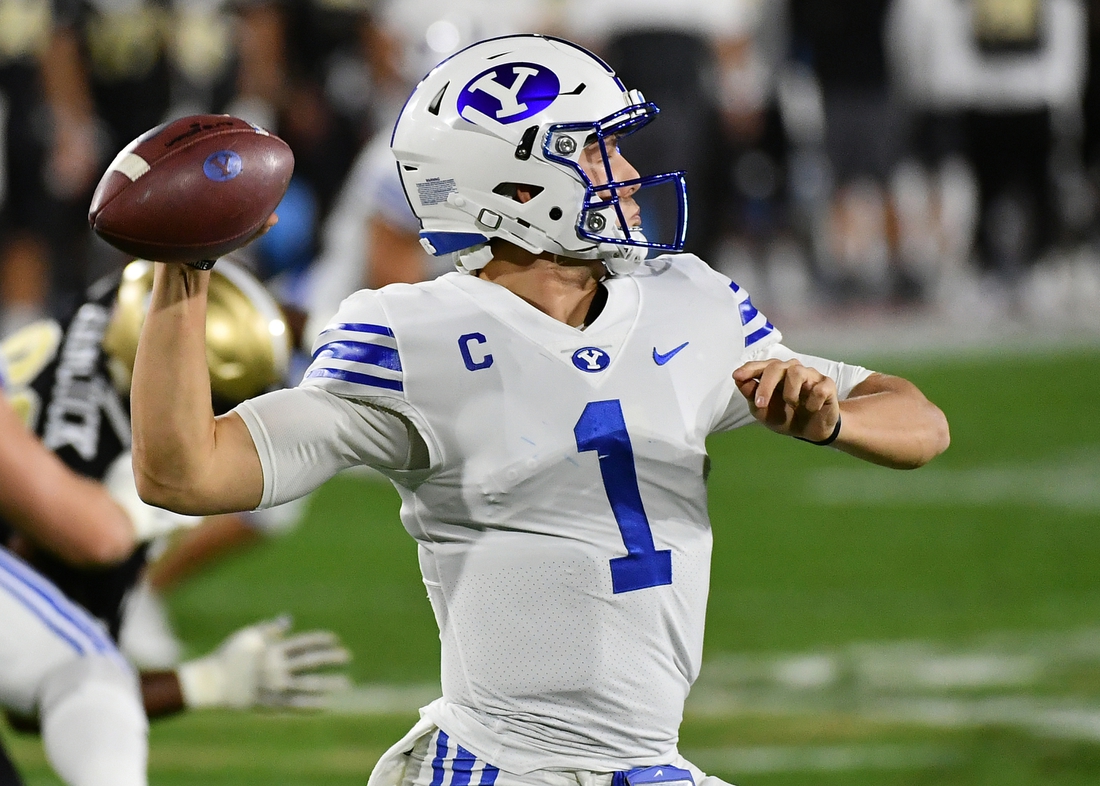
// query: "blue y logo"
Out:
[591,359]
[510,92]
[223,165]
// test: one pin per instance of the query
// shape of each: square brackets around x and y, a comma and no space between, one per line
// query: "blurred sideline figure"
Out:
[842,44]
[48,156]
[998,84]
[71,385]
[543,413]
[371,236]
[673,53]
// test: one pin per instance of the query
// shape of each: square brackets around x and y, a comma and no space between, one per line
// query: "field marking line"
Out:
[1068,482]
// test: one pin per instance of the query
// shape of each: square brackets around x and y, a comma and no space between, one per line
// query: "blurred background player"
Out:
[71,384]
[59,665]
[56,661]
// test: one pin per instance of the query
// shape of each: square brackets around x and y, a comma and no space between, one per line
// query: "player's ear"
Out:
[520,192]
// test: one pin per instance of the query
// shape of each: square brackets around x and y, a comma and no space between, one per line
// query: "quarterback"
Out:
[542,412]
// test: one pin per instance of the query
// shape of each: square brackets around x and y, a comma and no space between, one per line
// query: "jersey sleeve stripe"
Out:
[363,327]
[361,352]
[356,378]
[751,318]
[756,335]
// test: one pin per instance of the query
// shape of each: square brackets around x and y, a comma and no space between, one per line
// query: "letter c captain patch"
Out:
[473,355]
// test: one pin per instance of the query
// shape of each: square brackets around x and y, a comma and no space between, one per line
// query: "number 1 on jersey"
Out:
[602,428]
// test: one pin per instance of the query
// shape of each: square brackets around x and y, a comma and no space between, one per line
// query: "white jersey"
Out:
[372,189]
[562,516]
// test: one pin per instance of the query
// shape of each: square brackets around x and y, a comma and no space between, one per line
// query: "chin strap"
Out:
[621,259]
[472,259]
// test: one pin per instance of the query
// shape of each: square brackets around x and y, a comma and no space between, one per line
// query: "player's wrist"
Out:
[829,440]
[202,683]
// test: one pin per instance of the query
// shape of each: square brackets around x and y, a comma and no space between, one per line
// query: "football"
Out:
[192,189]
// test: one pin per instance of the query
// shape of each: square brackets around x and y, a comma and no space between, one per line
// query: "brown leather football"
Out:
[192,189]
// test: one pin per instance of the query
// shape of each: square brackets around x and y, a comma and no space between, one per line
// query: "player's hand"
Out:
[260,666]
[790,398]
[272,220]
[206,264]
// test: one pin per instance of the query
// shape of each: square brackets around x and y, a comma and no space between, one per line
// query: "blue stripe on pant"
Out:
[45,601]
[461,765]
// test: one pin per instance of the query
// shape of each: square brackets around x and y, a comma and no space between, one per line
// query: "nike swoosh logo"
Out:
[660,359]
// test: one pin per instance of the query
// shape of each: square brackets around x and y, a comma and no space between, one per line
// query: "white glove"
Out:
[148,521]
[260,667]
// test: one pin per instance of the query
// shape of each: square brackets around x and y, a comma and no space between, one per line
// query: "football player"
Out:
[55,660]
[70,508]
[542,412]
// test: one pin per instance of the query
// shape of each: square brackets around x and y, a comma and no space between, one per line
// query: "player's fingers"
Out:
[770,379]
[272,220]
[748,389]
[273,629]
[797,383]
[750,370]
[317,659]
[820,394]
[310,640]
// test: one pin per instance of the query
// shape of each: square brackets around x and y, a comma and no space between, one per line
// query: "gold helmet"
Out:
[247,341]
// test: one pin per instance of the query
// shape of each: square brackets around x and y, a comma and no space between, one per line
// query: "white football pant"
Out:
[59,663]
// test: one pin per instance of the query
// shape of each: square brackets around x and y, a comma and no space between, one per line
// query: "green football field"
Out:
[865,626]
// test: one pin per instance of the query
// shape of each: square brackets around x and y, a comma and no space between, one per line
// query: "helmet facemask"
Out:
[601,218]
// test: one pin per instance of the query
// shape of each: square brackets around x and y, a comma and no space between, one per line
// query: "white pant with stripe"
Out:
[428,756]
[59,663]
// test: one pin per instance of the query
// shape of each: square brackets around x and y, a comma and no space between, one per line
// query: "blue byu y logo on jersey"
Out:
[510,92]
[221,166]
[591,359]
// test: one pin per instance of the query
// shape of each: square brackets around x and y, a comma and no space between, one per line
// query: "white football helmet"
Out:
[518,111]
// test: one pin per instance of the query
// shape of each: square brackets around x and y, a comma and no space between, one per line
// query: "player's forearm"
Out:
[68,515]
[888,421]
[185,459]
[171,411]
[161,693]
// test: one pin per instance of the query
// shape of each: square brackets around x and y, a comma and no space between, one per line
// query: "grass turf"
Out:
[796,569]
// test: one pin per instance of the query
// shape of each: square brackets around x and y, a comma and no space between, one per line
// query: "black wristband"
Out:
[201,264]
[829,440]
